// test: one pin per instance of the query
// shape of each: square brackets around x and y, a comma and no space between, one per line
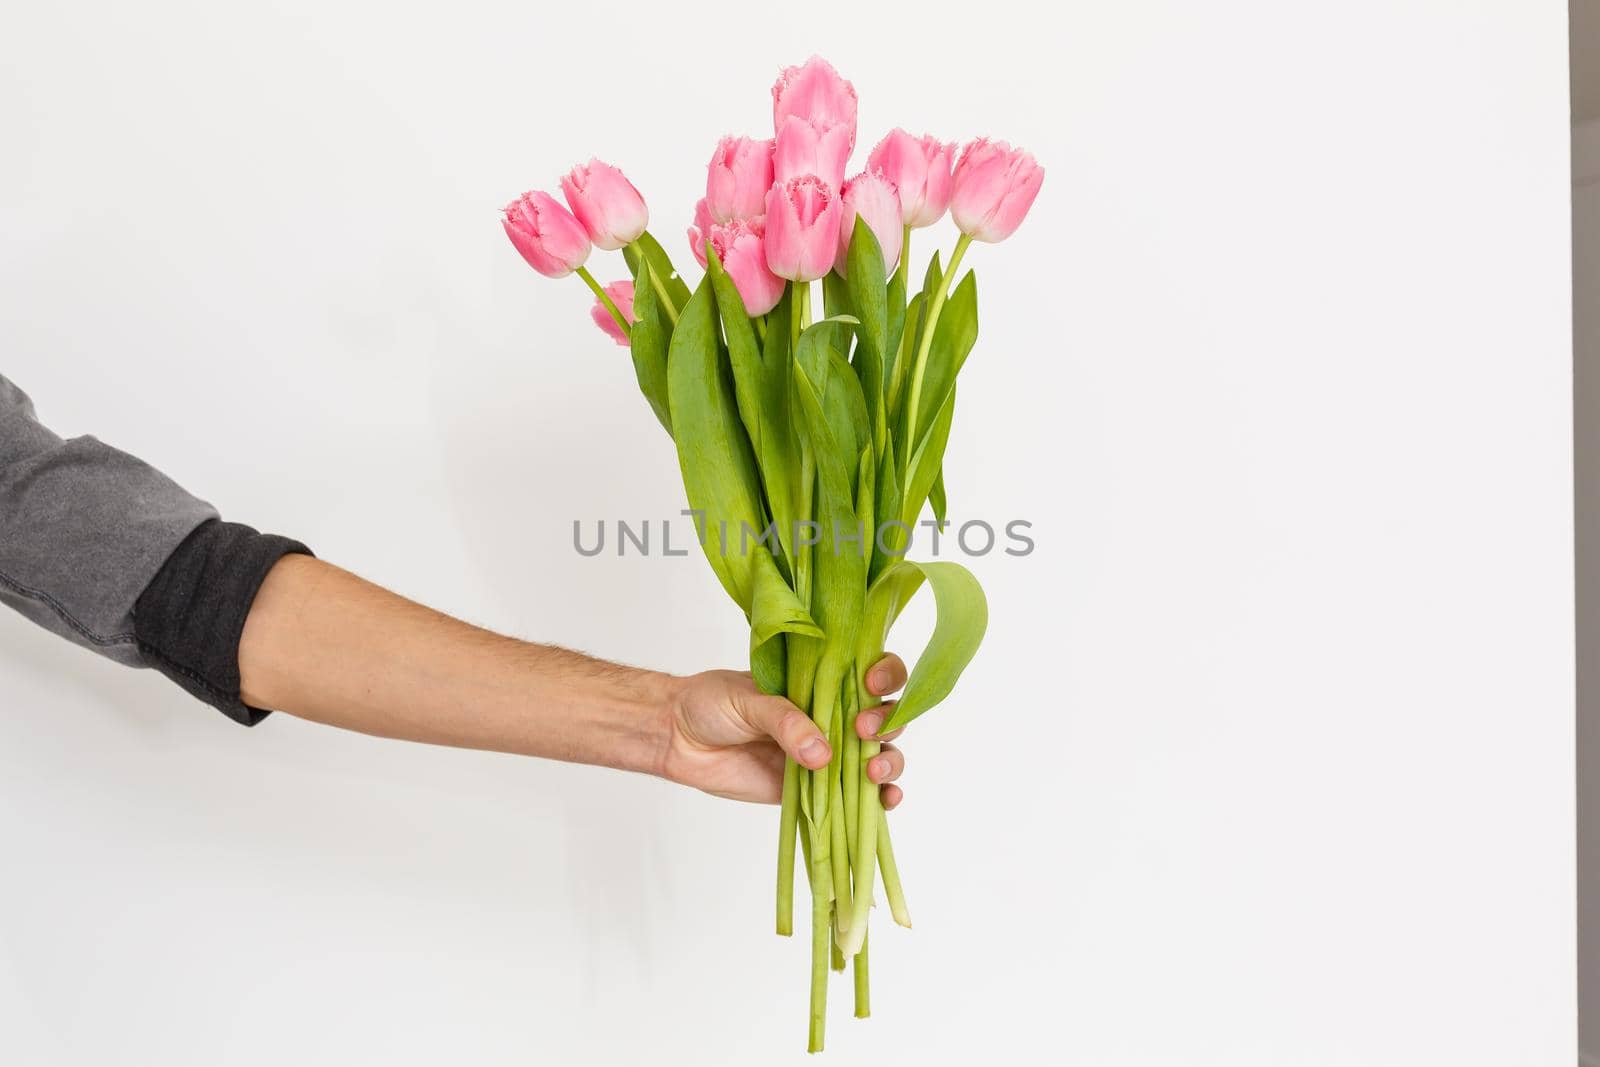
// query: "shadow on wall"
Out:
[1585,56]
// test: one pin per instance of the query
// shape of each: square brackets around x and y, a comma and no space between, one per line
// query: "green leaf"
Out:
[774,608]
[769,666]
[835,296]
[936,498]
[648,250]
[896,322]
[869,302]
[927,462]
[821,337]
[907,349]
[837,388]
[846,409]
[930,280]
[761,390]
[962,618]
[781,465]
[743,351]
[839,562]
[886,505]
[648,341]
[905,355]
[720,479]
[867,290]
[953,337]
[867,491]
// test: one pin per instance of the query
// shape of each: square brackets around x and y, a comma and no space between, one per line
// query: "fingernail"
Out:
[814,751]
[870,721]
[878,769]
[880,680]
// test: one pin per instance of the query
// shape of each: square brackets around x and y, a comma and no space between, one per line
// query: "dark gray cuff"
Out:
[190,617]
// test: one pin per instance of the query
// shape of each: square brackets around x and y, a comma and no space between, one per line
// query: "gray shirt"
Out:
[84,528]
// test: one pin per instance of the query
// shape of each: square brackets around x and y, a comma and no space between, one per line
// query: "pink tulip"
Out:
[741,248]
[802,228]
[549,238]
[920,170]
[610,208]
[816,93]
[738,177]
[873,197]
[621,294]
[700,231]
[807,147]
[994,187]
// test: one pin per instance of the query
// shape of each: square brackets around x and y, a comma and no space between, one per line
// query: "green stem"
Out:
[824,782]
[663,300]
[863,992]
[803,552]
[841,847]
[869,801]
[819,832]
[891,877]
[870,805]
[924,343]
[605,298]
[851,771]
[788,823]
[904,269]
[800,669]
[821,928]
[897,374]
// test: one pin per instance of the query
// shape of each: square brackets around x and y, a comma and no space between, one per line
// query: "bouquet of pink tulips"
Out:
[810,443]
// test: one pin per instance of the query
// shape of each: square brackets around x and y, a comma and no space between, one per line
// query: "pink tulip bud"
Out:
[621,294]
[873,197]
[806,147]
[738,177]
[920,170]
[610,208]
[994,186]
[816,93]
[741,248]
[549,238]
[802,228]
[700,231]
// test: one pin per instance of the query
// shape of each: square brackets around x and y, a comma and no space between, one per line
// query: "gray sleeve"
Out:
[83,530]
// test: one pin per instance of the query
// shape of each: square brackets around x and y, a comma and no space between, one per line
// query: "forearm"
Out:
[322,644]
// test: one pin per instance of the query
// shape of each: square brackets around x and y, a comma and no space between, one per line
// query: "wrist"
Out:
[665,694]
[625,721]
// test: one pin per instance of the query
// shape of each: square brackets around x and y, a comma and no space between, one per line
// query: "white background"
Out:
[1267,758]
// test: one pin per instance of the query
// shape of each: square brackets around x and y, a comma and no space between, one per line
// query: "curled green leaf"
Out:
[962,618]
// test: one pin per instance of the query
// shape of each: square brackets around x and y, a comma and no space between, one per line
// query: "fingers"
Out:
[786,724]
[886,766]
[886,676]
[892,796]
[869,722]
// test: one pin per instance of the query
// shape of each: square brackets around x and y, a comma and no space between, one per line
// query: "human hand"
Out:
[729,739]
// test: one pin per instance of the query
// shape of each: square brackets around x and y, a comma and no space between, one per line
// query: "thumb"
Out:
[786,724]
